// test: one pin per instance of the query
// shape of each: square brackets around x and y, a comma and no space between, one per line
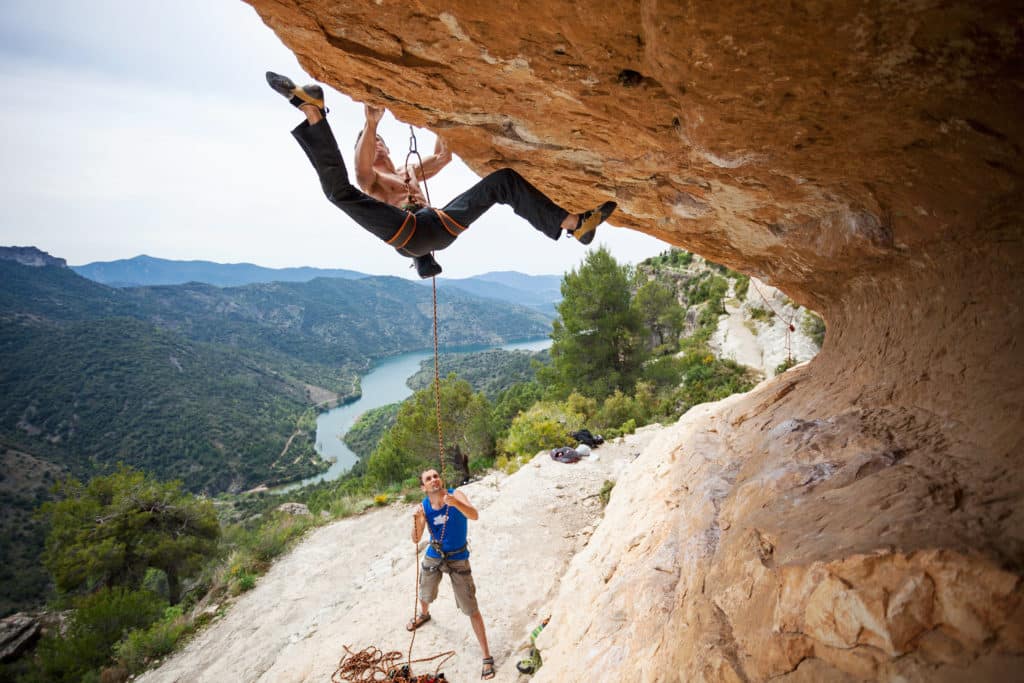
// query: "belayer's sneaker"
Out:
[586,226]
[307,94]
[426,266]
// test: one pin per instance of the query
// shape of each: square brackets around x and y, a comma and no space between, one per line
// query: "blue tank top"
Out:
[454,532]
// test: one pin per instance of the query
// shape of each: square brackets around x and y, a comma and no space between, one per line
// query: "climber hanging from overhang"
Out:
[394,207]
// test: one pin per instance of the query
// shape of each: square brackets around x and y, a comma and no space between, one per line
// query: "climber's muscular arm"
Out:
[366,150]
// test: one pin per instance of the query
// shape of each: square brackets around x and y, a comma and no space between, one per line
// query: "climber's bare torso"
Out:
[379,178]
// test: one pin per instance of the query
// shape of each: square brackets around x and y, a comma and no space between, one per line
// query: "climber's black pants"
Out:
[426,230]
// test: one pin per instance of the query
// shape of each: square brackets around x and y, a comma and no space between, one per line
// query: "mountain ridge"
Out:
[540,292]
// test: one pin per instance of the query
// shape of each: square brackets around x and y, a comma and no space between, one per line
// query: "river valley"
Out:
[384,384]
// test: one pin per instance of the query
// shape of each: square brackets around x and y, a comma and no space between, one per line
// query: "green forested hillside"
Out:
[201,382]
[365,434]
[90,394]
[488,372]
[207,385]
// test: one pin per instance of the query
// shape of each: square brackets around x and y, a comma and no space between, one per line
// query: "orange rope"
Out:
[371,664]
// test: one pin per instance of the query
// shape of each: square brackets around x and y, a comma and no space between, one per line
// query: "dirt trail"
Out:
[352,582]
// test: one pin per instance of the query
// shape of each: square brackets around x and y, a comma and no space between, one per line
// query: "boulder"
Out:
[18,633]
[298,509]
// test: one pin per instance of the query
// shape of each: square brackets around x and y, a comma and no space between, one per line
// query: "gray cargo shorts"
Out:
[462,582]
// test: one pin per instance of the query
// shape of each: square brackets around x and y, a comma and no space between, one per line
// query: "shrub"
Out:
[142,646]
[481,464]
[813,326]
[741,286]
[243,581]
[510,464]
[342,506]
[380,499]
[100,620]
[617,409]
[627,427]
[542,427]
[761,314]
[785,365]
[583,406]
[605,494]
[274,537]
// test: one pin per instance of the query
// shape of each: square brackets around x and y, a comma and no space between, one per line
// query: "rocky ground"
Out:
[352,583]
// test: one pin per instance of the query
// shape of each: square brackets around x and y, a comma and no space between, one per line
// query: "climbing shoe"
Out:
[426,266]
[307,94]
[586,225]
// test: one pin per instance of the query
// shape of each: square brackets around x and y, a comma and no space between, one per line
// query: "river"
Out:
[383,384]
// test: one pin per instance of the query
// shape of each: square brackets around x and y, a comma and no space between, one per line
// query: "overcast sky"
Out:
[137,127]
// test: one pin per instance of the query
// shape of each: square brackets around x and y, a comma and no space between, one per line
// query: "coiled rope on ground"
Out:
[372,664]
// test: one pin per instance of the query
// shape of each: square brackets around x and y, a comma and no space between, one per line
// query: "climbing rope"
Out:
[440,450]
[371,664]
[414,150]
[790,328]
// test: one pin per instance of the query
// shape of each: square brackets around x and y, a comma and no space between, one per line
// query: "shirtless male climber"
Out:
[445,512]
[393,207]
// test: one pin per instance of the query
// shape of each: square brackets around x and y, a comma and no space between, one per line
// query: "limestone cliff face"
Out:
[861,516]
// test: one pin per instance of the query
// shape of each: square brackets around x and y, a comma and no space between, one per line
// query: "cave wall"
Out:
[865,158]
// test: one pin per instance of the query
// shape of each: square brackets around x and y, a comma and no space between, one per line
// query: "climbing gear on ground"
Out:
[488,670]
[426,266]
[307,94]
[417,621]
[565,454]
[371,664]
[533,661]
[584,436]
[586,224]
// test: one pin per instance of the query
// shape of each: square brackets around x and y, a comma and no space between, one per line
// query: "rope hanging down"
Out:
[790,328]
[370,664]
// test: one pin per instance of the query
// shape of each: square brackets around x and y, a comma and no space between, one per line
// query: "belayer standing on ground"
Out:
[445,512]
[393,207]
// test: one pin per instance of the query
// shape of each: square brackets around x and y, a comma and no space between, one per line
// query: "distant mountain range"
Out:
[540,292]
[88,368]
[143,271]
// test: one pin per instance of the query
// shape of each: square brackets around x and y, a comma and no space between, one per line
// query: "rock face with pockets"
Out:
[858,517]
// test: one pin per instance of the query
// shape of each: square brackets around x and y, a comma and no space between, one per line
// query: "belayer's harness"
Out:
[436,545]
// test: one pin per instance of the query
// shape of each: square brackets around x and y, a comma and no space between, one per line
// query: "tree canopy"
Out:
[411,445]
[110,531]
[596,343]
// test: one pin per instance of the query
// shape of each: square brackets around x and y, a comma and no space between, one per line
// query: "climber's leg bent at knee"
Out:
[508,187]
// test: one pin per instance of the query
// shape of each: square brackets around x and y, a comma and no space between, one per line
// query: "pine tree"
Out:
[596,342]
[411,445]
[111,530]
